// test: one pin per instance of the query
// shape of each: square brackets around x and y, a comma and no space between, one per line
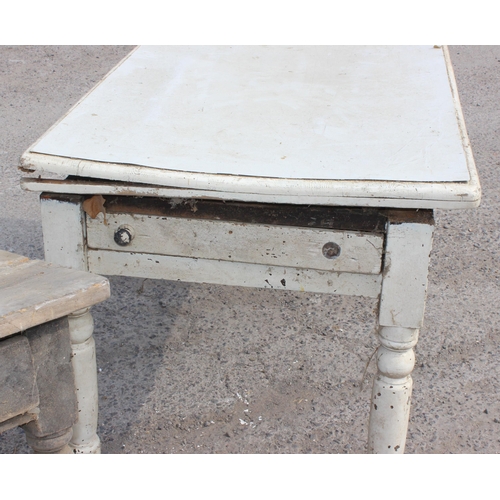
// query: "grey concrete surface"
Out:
[187,368]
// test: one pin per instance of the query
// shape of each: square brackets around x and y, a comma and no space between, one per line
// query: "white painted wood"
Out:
[65,242]
[34,292]
[309,112]
[64,236]
[237,242]
[376,194]
[348,125]
[401,313]
[232,273]
[84,438]
[391,394]
[406,265]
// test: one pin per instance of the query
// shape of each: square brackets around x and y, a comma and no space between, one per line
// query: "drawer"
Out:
[273,245]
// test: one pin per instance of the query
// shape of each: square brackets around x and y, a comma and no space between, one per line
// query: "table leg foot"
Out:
[55,443]
[84,439]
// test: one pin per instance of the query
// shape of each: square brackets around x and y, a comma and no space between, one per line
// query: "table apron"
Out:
[240,242]
[232,273]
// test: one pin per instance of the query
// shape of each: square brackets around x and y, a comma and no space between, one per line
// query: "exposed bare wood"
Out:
[34,292]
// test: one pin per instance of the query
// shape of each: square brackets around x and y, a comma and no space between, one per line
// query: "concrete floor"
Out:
[188,368]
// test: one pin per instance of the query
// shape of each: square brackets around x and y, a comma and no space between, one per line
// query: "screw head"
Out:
[123,236]
[331,250]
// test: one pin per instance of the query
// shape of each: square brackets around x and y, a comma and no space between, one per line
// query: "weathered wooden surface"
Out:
[238,242]
[65,219]
[270,246]
[19,420]
[401,313]
[37,387]
[51,350]
[18,388]
[37,299]
[33,292]
[405,269]
[366,220]
[233,273]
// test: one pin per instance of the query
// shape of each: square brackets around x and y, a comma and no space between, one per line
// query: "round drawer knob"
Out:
[123,236]
[331,250]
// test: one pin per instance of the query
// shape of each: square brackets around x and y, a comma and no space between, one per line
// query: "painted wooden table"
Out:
[37,384]
[296,168]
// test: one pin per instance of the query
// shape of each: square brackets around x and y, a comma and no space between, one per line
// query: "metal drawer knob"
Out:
[331,250]
[123,236]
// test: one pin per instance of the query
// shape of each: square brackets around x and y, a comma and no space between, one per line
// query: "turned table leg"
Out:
[54,443]
[401,313]
[391,394]
[81,327]
[65,243]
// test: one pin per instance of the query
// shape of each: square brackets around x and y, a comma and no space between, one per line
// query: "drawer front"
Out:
[322,249]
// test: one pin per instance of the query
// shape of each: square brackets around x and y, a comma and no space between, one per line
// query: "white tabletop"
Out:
[272,119]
